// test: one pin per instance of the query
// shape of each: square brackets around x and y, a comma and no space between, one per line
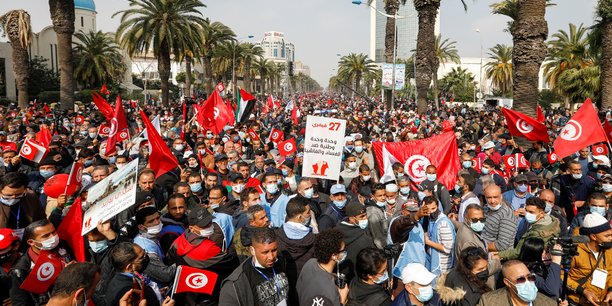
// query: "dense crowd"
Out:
[239,209]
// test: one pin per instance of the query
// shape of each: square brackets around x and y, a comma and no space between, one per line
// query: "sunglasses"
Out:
[523,279]
[474,220]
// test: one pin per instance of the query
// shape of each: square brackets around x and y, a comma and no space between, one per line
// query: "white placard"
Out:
[112,195]
[323,145]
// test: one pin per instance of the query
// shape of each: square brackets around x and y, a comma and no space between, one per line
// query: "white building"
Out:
[276,48]
[299,67]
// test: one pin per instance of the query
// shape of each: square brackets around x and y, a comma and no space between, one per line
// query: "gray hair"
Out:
[486,180]
[252,210]
[403,179]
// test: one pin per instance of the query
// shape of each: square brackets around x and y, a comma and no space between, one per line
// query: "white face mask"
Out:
[238,188]
[207,232]
[49,243]
[154,230]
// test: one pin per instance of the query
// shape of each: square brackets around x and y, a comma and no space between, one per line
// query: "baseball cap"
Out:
[411,205]
[220,157]
[416,272]
[520,178]
[354,208]
[233,176]
[337,188]
[6,238]
[143,197]
[488,145]
[200,217]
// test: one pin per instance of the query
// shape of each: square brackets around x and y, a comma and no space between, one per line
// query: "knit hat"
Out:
[594,224]
[391,188]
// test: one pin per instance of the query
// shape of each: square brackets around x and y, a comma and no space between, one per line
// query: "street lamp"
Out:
[480,82]
[396,17]
[234,87]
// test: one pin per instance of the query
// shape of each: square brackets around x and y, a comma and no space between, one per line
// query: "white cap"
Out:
[416,272]
[602,158]
[391,188]
[594,224]
[488,145]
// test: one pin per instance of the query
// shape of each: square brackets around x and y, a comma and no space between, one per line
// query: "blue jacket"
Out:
[403,299]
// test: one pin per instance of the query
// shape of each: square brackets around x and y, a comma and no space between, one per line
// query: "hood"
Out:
[296,248]
[360,290]
[447,294]
[351,232]
[547,227]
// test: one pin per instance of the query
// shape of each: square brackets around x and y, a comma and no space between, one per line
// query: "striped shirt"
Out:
[500,227]
[445,237]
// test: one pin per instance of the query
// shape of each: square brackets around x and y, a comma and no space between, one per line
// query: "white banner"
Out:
[112,195]
[400,76]
[323,145]
[387,75]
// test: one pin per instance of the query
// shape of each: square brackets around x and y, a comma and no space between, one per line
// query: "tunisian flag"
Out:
[515,161]
[118,129]
[600,149]
[608,129]
[276,135]
[521,125]
[582,130]
[287,147]
[71,224]
[44,136]
[190,279]
[46,269]
[105,108]
[214,114]
[161,159]
[540,115]
[439,150]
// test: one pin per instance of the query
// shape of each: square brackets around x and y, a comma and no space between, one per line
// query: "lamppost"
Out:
[396,17]
[480,95]
[234,87]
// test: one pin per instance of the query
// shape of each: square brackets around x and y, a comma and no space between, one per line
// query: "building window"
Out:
[52,57]
[82,22]
[275,52]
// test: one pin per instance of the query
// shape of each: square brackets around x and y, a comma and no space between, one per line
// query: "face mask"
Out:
[4,257]
[431,177]
[605,245]
[342,257]
[209,136]
[405,190]
[577,176]
[421,195]
[119,166]
[196,187]
[598,210]
[83,133]
[88,162]
[521,188]
[179,147]
[457,188]
[340,204]
[531,218]
[352,165]
[606,187]
[154,230]
[238,188]
[349,148]
[50,243]
[285,172]
[214,206]
[309,193]
[202,151]
[145,263]
[381,204]
[527,291]
[9,202]
[477,226]
[383,278]
[93,135]
[400,174]
[365,178]
[46,173]
[537,171]
[306,222]
[207,232]
[548,208]
[279,181]
[112,159]
[272,188]
[391,201]
[467,164]
[98,246]
[425,294]
[485,170]
[483,276]
[496,208]
[363,224]
[358,149]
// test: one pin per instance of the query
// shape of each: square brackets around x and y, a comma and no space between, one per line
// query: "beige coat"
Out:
[501,297]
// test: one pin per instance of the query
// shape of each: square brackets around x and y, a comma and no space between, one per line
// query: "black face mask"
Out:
[605,245]
[483,276]
[145,263]
[5,257]
[434,215]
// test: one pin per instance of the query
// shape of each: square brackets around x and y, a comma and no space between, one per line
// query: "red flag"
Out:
[477,164]
[540,115]
[270,102]
[32,150]
[75,178]
[287,147]
[71,224]
[104,129]
[552,158]
[79,119]
[43,274]
[439,150]
[105,108]
[118,129]
[582,130]
[214,114]
[220,87]
[184,121]
[195,280]
[277,135]
[46,108]
[104,90]
[161,159]
[521,125]
[600,149]
[608,129]
[252,135]
[44,136]
[330,102]
[514,161]
[294,114]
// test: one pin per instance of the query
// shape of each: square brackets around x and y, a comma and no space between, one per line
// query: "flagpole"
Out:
[176,277]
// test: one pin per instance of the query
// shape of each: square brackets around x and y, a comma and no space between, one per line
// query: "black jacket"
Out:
[363,294]
[296,252]
[103,260]
[456,290]
[355,240]
[120,284]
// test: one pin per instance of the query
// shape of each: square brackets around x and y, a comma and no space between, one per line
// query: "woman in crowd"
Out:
[468,281]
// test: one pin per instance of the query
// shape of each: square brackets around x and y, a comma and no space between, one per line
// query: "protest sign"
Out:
[323,146]
[111,196]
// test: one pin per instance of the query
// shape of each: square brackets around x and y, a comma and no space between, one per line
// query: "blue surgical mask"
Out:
[349,148]
[431,177]
[598,210]
[485,170]
[309,193]
[531,218]
[548,208]
[88,162]
[477,226]
[467,164]
[606,187]
[98,246]
[381,204]
[527,291]
[599,175]
[196,187]
[112,159]
[285,172]
[358,149]
[521,188]
[383,278]
[421,195]
[46,173]
[405,190]
[425,294]
[272,188]
[457,188]
[363,224]
[340,204]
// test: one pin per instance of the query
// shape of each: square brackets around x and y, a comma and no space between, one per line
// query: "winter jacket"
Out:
[466,237]
[378,224]
[122,283]
[501,297]
[456,290]
[297,253]
[30,210]
[403,299]
[579,278]
[546,228]
[331,217]
[363,294]
[355,240]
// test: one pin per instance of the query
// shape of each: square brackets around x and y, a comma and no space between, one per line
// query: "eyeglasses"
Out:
[523,279]
[14,196]
[474,220]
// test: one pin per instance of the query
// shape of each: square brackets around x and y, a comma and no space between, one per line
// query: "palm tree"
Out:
[166,27]
[250,53]
[459,84]
[499,70]
[604,11]
[62,16]
[98,59]
[567,50]
[577,84]
[263,67]
[215,33]
[445,52]
[356,66]
[16,25]
[223,60]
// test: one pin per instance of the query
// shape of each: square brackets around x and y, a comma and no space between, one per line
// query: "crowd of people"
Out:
[237,208]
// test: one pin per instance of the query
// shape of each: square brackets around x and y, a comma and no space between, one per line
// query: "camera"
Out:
[392,250]
[341,281]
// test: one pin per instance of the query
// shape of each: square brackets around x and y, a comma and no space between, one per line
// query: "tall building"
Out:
[407,30]
[276,48]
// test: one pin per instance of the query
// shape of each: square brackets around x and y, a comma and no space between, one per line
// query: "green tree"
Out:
[164,27]
[42,78]
[263,67]
[62,17]
[16,25]
[604,12]
[355,66]
[249,53]
[181,77]
[97,59]
[577,84]
[214,34]
[446,51]
[459,85]
[499,69]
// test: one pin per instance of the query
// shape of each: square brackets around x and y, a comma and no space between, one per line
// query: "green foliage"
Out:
[548,97]
[97,59]
[355,66]
[500,69]
[41,78]
[579,84]
[49,96]
[180,77]
[604,9]
[458,84]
